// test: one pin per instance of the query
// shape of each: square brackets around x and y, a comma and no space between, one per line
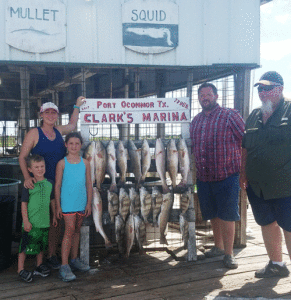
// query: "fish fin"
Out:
[112,157]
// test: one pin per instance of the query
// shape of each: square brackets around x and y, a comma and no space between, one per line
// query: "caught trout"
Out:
[97,216]
[135,162]
[157,200]
[100,164]
[113,204]
[160,157]
[134,201]
[145,160]
[124,203]
[121,155]
[111,165]
[172,161]
[164,215]
[146,203]
[184,162]
[89,154]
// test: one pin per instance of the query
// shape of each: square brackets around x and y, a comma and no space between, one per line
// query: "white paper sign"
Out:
[135,111]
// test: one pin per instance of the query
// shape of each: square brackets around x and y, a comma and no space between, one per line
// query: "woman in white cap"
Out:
[47,141]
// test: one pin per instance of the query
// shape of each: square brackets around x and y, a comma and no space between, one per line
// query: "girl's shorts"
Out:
[34,241]
[80,213]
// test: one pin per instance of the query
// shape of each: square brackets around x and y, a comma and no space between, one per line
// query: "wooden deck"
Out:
[158,275]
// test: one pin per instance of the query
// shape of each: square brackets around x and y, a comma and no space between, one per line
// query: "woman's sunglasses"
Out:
[265,88]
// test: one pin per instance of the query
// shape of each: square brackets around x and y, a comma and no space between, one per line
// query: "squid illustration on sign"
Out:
[155,33]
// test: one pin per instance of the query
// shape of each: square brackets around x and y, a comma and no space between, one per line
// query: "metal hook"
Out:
[91,132]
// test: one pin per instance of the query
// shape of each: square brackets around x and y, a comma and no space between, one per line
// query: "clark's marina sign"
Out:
[135,111]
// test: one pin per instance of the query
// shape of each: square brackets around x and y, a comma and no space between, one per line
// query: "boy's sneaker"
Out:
[26,275]
[213,252]
[230,262]
[272,270]
[53,263]
[78,265]
[42,270]
[66,273]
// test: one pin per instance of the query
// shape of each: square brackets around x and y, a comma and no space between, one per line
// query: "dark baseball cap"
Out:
[271,78]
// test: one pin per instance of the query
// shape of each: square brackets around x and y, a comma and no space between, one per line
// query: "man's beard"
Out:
[267,107]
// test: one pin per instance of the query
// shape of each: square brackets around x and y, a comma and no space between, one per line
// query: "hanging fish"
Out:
[111,165]
[146,203]
[172,161]
[100,164]
[184,229]
[157,200]
[135,161]
[164,216]
[140,231]
[184,162]
[129,235]
[124,203]
[97,216]
[120,234]
[185,200]
[89,154]
[160,158]
[121,155]
[145,160]
[113,204]
[134,201]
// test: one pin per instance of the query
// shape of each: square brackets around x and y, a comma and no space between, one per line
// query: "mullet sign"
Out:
[135,111]
[36,26]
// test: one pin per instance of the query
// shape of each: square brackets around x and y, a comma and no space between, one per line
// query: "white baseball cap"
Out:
[48,105]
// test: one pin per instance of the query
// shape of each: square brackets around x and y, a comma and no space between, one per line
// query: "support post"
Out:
[85,244]
[136,95]
[160,78]
[241,103]
[25,107]
[124,129]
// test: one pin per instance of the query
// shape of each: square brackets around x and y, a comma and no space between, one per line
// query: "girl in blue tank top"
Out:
[73,192]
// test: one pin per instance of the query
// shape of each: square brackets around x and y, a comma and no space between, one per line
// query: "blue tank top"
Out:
[52,152]
[73,190]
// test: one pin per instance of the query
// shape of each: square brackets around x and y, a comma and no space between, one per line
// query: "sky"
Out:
[275,45]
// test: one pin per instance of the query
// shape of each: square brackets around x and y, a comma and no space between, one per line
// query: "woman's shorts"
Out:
[269,211]
[34,241]
[219,199]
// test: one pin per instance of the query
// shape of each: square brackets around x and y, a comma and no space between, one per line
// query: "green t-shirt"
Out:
[268,146]
[38,208]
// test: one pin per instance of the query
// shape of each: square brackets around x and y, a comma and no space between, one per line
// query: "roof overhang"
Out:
[265,1]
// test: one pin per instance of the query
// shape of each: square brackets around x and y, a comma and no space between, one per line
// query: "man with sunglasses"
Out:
[266,170]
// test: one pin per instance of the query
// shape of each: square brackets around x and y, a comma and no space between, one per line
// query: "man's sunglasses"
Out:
[265,88]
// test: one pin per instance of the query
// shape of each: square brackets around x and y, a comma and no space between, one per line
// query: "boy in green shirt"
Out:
[35,210]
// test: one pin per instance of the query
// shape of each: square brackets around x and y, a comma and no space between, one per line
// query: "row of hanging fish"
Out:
[130,213]
[172,159]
